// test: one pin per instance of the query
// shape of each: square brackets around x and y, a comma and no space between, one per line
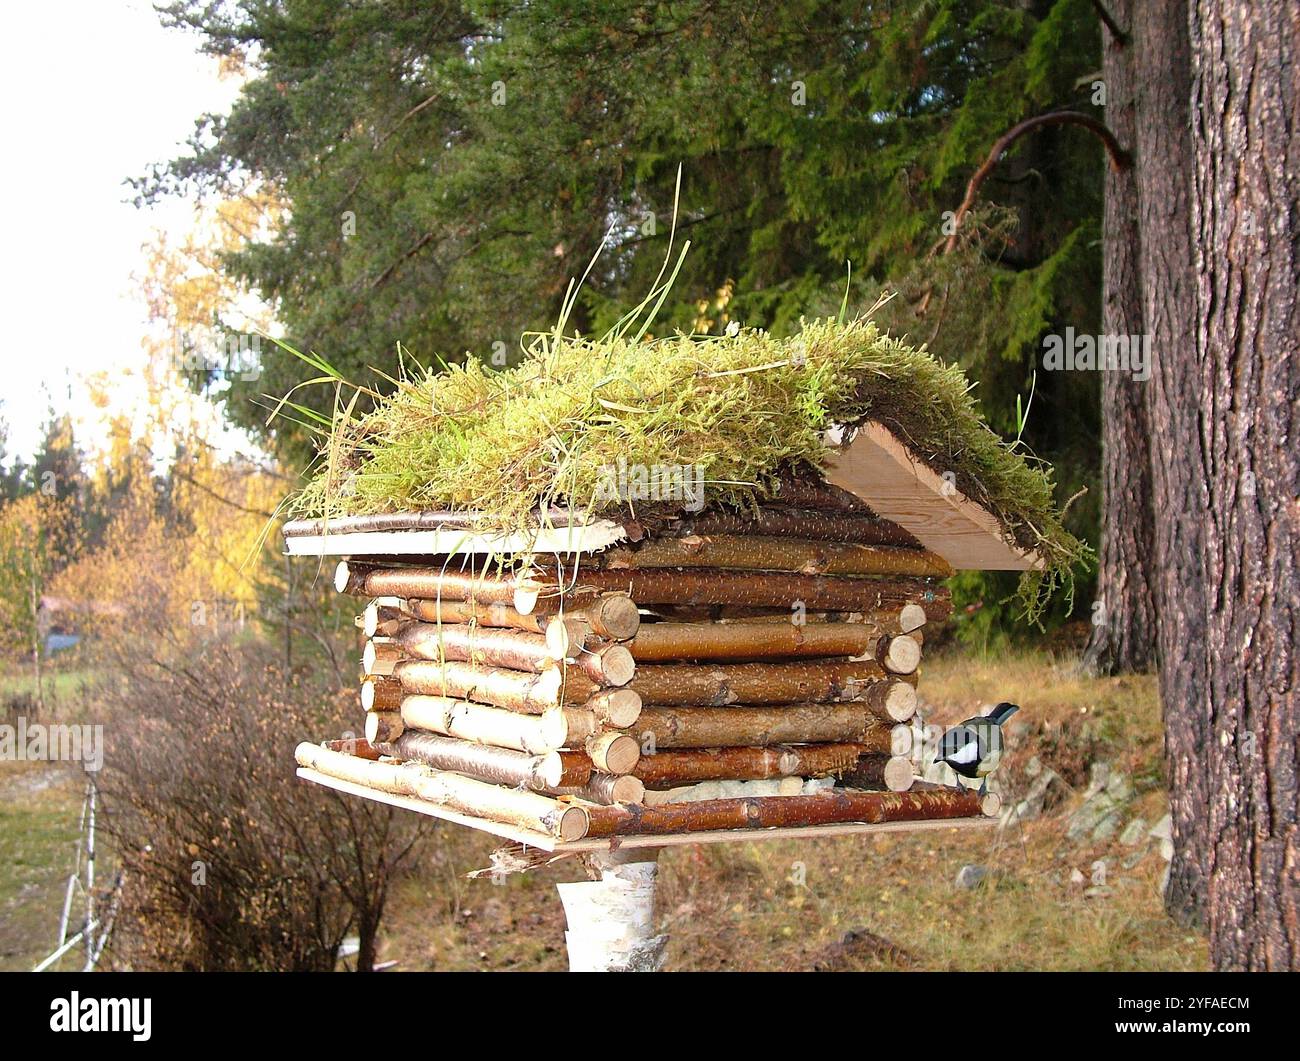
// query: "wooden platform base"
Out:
[610,843]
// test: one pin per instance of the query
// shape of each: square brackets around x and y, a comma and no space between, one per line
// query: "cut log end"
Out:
[616,617]
[383,726]
[615,665]
[619,708]
[991,805]
[900,701]
[902,656]
[898,774]
[573,823]
[342,575]
[911,617]
[901,740]
[614,753]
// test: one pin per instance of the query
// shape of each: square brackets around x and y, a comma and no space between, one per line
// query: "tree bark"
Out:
[1124,616]
[1162,54]
[1246,228]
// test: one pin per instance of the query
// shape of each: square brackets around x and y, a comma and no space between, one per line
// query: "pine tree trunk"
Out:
[1164,150]
[1246,225]
[1124,617]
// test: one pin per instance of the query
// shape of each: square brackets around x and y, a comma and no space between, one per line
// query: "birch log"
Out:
[535,734]
[608,788]
[500,766]
[466,795]
[516,690]
[613,616]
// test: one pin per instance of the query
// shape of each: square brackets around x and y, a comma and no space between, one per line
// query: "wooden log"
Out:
[381,694]
[379,620]
[893,701]
[619,708]
[500,766]
[528,810]
[513,649]
[891,772]
[718,727]
[806,490]
[719,684]
[383,727]
[535,734]
[657,642]
[802,523]
[896,619]
[516,690]
[577,769]
[901,655]
[432,583]
[608,788]
[707,586]
[353,746]
[380,658]
[614,753]
[760,553]
[668,768]
[765,812]
[564,634]
[607,664]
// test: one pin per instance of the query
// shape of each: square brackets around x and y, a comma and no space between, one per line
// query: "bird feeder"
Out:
[606,688]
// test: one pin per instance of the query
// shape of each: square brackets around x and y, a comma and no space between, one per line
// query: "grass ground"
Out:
[40,806]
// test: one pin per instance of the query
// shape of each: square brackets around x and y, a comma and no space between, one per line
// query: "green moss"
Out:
[742,407]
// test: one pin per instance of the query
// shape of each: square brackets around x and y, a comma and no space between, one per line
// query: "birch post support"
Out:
[804,556]
[529,810]
[500,766]
[611,920]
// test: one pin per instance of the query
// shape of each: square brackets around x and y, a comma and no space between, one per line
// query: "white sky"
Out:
[94,91]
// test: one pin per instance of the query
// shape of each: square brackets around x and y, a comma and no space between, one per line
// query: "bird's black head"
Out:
[1003,712]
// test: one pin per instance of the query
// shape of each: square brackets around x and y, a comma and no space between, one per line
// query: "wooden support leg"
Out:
[611,920]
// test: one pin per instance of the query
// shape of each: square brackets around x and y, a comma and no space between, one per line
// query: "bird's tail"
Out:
[1003,712]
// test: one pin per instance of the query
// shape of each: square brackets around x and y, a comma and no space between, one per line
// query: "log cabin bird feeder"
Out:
[610,684]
